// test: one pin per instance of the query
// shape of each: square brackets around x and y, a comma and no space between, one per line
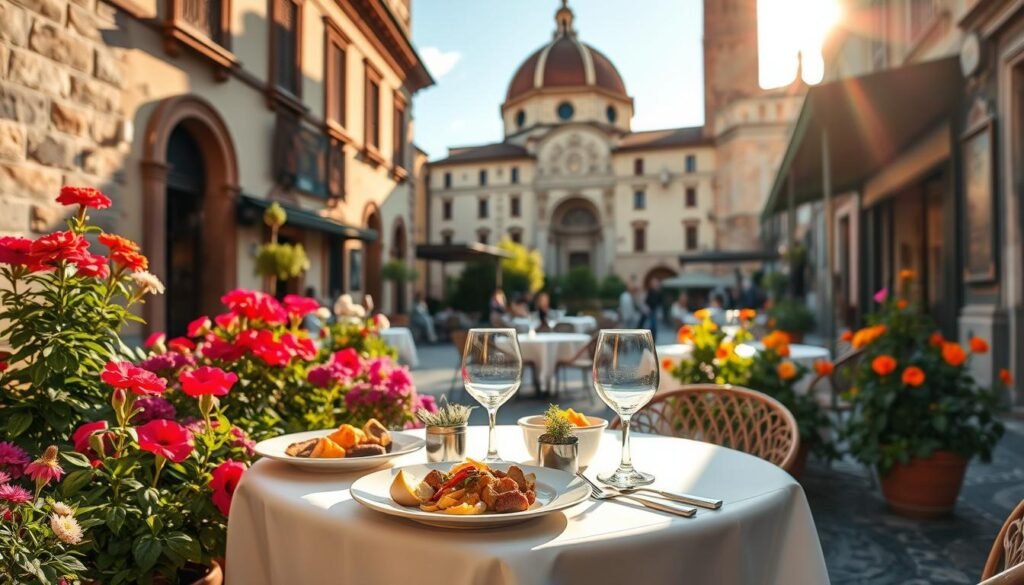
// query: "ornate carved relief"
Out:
[575,154]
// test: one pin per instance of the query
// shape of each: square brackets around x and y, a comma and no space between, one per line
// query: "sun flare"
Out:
[788,28]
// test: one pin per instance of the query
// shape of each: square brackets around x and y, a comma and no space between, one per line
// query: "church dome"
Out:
[566,62]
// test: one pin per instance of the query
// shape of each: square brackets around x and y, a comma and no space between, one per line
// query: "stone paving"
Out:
[862,542]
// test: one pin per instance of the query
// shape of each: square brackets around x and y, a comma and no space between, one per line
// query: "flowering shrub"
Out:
[914,394]
[362,335]
[155,494]
[714,359]
[63,306]
[39,537]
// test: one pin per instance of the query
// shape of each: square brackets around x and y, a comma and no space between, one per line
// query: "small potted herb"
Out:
[446,431]
[558,447]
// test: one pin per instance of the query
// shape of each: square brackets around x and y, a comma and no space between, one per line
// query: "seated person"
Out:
[680,313]
[420,320]
[543,303]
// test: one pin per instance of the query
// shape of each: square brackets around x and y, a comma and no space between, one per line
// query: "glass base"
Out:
[626,478]
[491,460]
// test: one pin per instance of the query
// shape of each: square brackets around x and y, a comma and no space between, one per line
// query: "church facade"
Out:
[572,179]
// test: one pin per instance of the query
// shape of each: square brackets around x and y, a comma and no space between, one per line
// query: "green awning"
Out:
[250,211]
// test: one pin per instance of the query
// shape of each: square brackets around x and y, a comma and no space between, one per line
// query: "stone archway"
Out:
[399,251]
[659,272]
[374,254]
[575,235]
[219,189]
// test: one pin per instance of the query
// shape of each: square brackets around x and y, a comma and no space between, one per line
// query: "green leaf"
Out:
[75,458]
[146,552]
[75,481]
[115,518]
[19,423]
[183,545]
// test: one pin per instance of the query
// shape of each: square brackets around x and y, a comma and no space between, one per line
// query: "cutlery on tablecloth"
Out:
[709,503]
[599,494]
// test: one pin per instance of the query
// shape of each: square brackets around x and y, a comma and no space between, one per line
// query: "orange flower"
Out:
[906,274]
[902,304]
[823,367]
[771,323]
[936,339]
[685,334]
[847,335]
[883,365]
[702,314]
[1005,377]
[775,340]
[724,350]
[786,370]
[868,335]
[667,363]
[953,354]
[747,314]
[783,351]
[978,345]
[913,376]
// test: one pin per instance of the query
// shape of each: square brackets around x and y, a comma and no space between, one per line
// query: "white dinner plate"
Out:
[401,444]
[556,490]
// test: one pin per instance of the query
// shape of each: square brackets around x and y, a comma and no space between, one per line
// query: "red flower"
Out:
[84,196]
[82,437]
[978,345]
[1005,377]
[299,346]
[823,367]
[299,307]
[216,348]
[913,376]
[847,335]
[56,247]
[130,259]
[154,338]
[255,306]
[223,483]
[116,242]
[92,265]
[953,354]
[166,439]
[4,356]
[225,320]
[15,251]
[207,380]
[883,365]
[936,339]
[125,376]
[181,345]
[199,327]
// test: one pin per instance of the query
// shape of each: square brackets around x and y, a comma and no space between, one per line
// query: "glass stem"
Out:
[627,459]
[492,440]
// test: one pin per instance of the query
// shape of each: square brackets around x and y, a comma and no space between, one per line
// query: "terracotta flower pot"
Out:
[925,487]
[799,462]
[201,575]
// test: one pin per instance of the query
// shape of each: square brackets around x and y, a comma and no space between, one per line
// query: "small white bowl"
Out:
[590,436]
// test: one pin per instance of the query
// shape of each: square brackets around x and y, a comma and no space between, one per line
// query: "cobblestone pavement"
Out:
[863,543]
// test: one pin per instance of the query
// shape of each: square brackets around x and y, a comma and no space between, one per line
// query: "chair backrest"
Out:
[459,338]
[565,328]
[399,319]
[1008,549]
[604,322]
[730,416]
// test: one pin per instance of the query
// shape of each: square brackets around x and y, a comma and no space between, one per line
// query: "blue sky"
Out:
[474,46]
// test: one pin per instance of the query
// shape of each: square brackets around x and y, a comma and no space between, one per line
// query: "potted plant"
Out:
[558,447]
[791,316]
[918,414]
[276,261]
[398,273]
[446,430]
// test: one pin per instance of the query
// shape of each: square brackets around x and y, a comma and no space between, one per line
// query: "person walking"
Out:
[654,301]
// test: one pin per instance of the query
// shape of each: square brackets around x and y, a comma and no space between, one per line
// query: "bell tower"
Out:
[730,55]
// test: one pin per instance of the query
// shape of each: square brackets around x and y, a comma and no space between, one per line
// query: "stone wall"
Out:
[61,120]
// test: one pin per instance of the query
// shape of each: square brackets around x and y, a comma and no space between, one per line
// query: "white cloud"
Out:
[438,62]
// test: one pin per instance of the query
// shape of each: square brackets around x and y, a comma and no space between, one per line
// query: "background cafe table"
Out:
[545,349]
[402,340]
[801,353]
[289,526]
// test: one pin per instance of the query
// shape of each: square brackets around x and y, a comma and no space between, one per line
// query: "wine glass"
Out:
[626,378]
[492,370]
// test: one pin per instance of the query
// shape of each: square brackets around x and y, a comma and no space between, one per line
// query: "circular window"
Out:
[565,111]
[520,118]
[611,114]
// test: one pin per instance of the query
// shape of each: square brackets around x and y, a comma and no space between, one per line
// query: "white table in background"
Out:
[546,349]
[582,323]
[402,340]
[291,526]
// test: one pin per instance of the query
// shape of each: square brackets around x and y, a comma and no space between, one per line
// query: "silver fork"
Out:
[599,494]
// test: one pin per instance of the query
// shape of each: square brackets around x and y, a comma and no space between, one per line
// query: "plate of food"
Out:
[348,448]
[470,494]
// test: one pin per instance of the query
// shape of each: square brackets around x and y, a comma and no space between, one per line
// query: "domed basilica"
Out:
[573,180]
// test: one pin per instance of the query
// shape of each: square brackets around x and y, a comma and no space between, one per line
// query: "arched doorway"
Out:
[374,253]
[190,185]
[659,272]
[576,235]
[398,252]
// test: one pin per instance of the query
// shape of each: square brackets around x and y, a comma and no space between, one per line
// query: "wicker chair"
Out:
[1008,549]
[564,328]
[730,416]
[844,371]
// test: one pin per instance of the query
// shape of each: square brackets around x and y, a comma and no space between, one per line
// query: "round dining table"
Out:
[404,343]
[291,526]
[544,350]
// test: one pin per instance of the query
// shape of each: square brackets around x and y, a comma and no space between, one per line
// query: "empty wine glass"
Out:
[626,378]
[492,370]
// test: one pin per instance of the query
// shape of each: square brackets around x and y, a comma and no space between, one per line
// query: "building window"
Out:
[565,111]
[482,209]
[446,209]
[520,119]
[209,18]
[514,178]
[516,236]
[691,197]
[612,114]
[639,200]
[691,163]
[515,206]
[638,166]
[483,236]
[336,71]
[639,239]
[483,177]
[446,238]
[372,113]
[447,180]
[690,232]
[398,157]
[285,52]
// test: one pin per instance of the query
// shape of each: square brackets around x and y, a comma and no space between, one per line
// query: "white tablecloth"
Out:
[291,527]
[401,339]
[803,354]
[545,349]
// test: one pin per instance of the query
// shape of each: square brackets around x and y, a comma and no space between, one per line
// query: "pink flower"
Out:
[216,348]
[155,338]
[46,468]
[199,327]
[126,376]
[167,439]
[255,306]
[92,265]
[154,408]
[181,344]
[881,295]
[4,478]
[223,483]
[82,440]
[299,307]
[425,402]
[14,494]
[13,459]
[207,380]
[348,360]
[225,320]
[84,196]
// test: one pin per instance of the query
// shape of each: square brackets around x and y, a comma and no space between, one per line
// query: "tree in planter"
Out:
[791,316]
[611,289]
[276,261]
[523,272]
[399,273]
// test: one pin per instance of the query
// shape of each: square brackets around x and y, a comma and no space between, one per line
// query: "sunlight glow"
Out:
[787,28]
